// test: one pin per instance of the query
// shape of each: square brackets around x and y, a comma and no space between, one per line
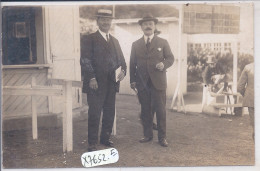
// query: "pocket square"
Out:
[159,49]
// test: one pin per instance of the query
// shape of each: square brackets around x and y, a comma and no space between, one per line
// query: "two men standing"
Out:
[102,55]
[150,57]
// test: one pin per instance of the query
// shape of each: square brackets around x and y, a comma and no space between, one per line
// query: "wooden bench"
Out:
[221,106]
[227,104]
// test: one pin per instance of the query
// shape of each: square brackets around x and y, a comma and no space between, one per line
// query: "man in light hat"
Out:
[150,57]
[101,56]
[209,71]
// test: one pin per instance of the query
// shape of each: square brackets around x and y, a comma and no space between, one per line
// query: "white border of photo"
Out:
[257,89]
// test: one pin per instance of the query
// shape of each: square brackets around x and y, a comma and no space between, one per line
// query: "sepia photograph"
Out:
[127,84]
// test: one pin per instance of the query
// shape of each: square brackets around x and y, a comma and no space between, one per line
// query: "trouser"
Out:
[102,99]
[151,98]
[251,111]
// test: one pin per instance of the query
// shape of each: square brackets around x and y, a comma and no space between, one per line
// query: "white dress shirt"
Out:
[104,35]
[146,37]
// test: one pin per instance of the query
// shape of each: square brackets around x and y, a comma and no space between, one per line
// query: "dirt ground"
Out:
[194,140]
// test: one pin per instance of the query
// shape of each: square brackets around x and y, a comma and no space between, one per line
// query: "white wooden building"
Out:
[41,42]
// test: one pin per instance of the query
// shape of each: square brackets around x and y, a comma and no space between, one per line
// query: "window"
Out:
[20,34]
[20,30]
[220,19]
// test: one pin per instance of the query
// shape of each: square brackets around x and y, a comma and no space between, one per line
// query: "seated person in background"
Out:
[217,80]
[214,75]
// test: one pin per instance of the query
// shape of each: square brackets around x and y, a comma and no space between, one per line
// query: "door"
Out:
[63,49]
[63,39]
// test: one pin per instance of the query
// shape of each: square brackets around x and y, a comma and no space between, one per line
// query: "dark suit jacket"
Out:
[95,54]
[207,75]
[245,85]
[143,62]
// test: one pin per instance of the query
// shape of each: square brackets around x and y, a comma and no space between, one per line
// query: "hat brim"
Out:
[148,19]
[104,16]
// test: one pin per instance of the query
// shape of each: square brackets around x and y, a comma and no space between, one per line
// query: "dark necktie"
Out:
[107,37]
[148,43]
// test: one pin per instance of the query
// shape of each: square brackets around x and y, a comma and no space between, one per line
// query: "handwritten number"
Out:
[99,160]
[85,161]
[94,159]
[113,153]
[104,157]
[90,160]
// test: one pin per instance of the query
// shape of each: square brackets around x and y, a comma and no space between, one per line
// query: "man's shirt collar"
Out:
[104,34]
[146,37]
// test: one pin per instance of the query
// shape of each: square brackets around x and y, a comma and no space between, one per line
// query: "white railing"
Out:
[36,90]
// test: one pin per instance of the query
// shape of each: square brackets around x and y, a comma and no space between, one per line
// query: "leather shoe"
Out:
[92,148]
[163,143]
[107,143]
[155,126]
[145,139]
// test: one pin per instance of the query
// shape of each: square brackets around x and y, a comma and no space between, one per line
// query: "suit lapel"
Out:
[102,41]
[153,43]
[115,46]
[142,45]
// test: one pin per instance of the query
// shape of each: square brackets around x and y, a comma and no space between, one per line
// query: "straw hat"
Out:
[105,13]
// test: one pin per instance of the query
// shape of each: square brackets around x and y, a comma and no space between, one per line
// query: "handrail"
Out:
[28,66]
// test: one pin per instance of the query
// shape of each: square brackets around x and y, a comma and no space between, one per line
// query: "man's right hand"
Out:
[133,86]
[93,84]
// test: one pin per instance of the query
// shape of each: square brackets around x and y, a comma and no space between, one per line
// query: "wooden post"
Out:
[34,113]
[67,118]
[235,51]
[234,86]
[204,96]
[179,59]
[114,10]
[178,91]
[64,119]
[175,95]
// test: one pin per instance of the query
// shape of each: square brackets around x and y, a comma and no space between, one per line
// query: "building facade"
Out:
[41,42]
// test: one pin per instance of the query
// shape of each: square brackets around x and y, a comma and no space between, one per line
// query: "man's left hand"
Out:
[121,76]
[160,66]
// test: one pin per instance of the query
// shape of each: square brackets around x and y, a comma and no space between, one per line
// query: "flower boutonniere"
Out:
[159,49]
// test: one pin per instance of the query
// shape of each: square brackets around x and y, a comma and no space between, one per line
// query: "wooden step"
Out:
[221,105]
[224,94]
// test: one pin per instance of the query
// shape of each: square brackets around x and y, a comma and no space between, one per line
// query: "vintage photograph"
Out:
[159,84]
